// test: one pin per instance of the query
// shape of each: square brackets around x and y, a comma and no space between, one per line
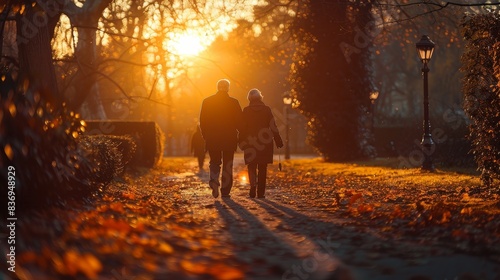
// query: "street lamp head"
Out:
[425,48]
[287,98]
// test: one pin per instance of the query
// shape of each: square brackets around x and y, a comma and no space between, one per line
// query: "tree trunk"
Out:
[35,29]
[86,87]
[86,81]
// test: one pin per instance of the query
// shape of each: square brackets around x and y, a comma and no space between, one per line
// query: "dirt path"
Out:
[272,238]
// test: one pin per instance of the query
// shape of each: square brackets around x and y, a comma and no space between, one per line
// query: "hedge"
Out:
[147,135]
[481,86]
[108,156]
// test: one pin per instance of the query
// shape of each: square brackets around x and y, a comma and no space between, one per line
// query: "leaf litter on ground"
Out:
[142,225]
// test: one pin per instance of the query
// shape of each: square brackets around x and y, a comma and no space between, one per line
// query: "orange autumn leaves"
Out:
[69,263]
[130,232]
[391,205]
[221,271]
[73,262]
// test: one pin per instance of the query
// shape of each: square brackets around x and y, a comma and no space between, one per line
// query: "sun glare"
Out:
[187,44]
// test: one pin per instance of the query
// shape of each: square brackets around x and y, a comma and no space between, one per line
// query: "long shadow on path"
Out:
[374,258]
[272,250]
[322,255]
[254,241]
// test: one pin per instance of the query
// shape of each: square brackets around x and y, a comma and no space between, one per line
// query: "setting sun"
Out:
[187,44]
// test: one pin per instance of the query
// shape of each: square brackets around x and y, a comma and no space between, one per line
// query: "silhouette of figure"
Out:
[198,148]
[256,140]
[220,119]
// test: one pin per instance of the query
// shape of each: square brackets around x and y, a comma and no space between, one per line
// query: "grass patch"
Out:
[447,208]
[386,170]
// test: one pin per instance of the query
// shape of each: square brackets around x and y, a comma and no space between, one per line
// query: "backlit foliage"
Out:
[40,141]
[52,160]
[481,88]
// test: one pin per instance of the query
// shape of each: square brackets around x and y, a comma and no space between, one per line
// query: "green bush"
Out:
[481,69]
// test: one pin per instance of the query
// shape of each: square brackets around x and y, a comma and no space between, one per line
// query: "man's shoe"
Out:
[226,196]
[261,196]
[215,188]
[253,192]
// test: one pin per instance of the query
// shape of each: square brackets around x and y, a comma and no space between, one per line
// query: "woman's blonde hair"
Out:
[254,95]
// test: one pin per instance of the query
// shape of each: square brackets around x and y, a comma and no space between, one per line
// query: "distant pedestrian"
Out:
[198,148]
[220,119]
[256,140]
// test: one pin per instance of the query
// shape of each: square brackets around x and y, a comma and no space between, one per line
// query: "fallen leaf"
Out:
[71,262]
[117,207]
[226,272]
[128,195]
[446,217]
[90,265]
[365,208]
[117,225]
[195,268]
[165,248]
[465,197]
[466,211]
[354,198]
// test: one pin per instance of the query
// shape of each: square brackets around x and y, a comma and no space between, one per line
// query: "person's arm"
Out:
[275,131]
[239,118]
[243,132]
[203,119]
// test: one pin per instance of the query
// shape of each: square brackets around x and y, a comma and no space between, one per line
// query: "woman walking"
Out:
[198,148]
[259,131]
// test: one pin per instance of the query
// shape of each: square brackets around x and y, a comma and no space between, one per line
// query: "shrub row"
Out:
[452,148]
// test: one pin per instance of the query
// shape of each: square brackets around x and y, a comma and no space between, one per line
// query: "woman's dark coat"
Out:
[258,132]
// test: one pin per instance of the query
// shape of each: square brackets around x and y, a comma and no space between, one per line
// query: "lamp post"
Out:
[373,98]
[425,48]
[287,100]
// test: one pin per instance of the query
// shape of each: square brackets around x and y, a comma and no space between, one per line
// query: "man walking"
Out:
[220,119]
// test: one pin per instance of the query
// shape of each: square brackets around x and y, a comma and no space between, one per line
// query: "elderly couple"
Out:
[224,126]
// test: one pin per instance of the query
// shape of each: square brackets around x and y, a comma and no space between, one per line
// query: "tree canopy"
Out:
[137,59]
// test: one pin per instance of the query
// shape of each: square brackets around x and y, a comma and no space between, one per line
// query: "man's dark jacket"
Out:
[220,119]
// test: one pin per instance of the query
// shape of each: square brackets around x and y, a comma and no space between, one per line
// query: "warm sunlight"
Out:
[187,44]
[174,35]
[242,178]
